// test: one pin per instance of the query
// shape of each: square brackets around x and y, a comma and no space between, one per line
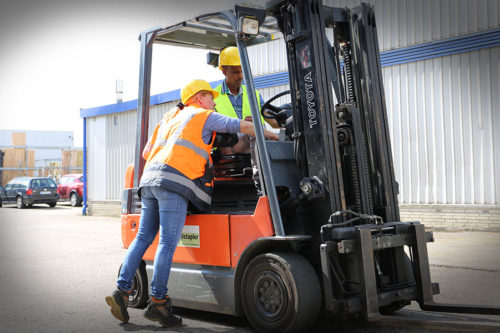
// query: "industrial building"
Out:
[441,67]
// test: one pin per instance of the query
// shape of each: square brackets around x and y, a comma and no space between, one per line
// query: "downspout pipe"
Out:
[84,208]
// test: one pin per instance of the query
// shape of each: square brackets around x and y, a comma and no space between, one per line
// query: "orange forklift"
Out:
[325,236]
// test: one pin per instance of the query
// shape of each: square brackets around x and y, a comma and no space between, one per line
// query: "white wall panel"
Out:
[268,58]
[443,113]
[96,156]
[121,134]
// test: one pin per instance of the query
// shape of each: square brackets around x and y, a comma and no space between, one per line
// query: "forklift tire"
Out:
[140,293]
[280,292]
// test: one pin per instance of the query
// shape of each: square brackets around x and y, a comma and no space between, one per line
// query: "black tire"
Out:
[0,203]
[74,200]
[280,292]
[52,204]
[20,202]
[140,293]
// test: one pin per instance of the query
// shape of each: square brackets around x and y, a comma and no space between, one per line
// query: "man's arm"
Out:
[217,122]
[247,128]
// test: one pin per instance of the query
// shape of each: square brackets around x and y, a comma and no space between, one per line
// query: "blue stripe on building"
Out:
[443,47]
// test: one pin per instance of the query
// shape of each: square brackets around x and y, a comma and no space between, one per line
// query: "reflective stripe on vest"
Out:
[154,172]
[179,143]
[225,107]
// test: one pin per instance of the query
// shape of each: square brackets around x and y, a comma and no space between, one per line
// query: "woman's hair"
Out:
[193,98]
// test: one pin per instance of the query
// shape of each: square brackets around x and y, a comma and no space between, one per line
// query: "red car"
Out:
[70,188]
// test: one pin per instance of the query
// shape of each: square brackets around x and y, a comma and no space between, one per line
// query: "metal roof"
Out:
[213,32]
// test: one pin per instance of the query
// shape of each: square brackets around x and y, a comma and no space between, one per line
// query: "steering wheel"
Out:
[273,111]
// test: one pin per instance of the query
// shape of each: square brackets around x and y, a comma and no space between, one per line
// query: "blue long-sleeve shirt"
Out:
[217,122]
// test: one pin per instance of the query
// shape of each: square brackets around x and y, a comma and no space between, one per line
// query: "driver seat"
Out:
[235,166]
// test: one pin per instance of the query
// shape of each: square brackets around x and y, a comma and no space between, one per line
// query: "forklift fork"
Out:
[369,299]
[423,274]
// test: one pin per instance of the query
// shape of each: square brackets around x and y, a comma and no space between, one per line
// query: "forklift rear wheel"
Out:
[280,292]
[140,294]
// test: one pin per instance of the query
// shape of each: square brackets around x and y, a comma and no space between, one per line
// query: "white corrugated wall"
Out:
[121,134]
[97,150]
[444,121]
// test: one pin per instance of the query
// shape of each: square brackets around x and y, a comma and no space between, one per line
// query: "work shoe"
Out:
[162,312]
[118,301]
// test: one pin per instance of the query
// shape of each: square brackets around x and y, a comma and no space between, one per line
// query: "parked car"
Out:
[70,188]
[26,191]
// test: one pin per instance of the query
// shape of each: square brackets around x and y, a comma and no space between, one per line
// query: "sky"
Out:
[59,56]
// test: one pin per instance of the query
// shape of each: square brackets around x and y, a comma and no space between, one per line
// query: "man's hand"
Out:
[248,118]
[247,128]
[271,135]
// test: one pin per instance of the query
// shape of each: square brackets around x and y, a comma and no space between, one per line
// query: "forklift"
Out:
[325,236]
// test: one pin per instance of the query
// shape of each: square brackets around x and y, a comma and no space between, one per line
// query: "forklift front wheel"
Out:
[280,292]
[140,295]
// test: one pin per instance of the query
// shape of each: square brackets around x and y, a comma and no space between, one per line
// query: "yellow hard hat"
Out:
[229,57]
[194,87]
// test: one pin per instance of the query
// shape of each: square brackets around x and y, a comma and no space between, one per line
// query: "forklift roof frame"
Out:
[213,31]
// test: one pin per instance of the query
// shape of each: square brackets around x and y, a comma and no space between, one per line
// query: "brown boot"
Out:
[118,301]
[162,312]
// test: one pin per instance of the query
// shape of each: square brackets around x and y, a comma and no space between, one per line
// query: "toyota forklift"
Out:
[325,234]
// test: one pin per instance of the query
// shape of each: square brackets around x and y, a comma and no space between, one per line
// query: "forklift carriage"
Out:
[326,235]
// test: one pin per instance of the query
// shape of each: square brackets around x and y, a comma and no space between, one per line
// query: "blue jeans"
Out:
[163,210]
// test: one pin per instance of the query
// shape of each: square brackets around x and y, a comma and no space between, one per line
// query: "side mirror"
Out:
[213,59]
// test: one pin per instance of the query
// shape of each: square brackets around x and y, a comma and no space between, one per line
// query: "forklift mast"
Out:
[339,106]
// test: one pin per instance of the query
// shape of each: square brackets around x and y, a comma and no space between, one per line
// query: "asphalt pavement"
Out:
[57,266]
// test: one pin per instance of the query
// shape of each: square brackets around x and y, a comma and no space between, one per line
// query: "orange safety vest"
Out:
[177,157]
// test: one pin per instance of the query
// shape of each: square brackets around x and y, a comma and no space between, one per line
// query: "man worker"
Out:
[233,102]
[177,171]
[233,98]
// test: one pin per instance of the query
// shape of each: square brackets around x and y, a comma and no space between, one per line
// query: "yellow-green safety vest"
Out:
[225,107]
